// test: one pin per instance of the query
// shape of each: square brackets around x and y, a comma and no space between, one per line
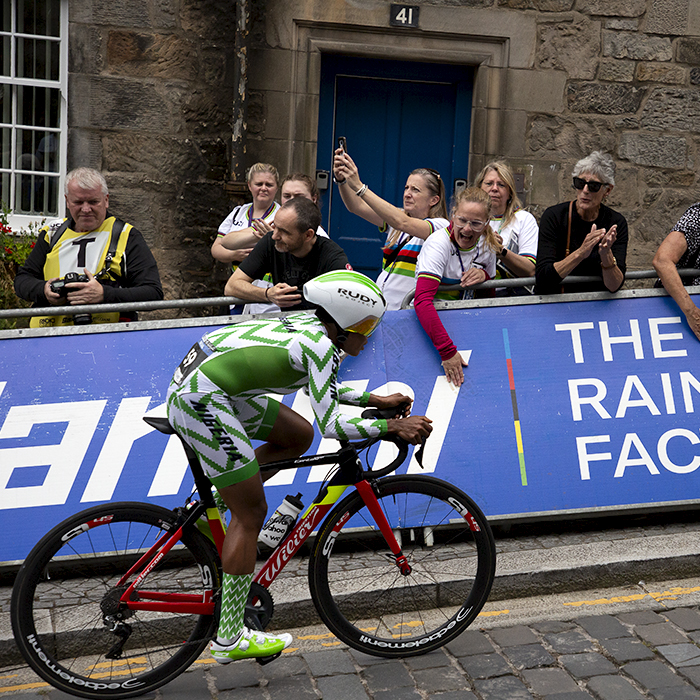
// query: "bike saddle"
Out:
[160,424]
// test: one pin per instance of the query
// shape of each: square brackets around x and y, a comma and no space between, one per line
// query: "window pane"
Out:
[37,58]
[48,192]
[26,148]
[5,148]
[5,104]
[37,150]
[47,151]
[6,17]
[36,194]
[38,17]
[37,106]
[5,67]
[5,188]
[25,192]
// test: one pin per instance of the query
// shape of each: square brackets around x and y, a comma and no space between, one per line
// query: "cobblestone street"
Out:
[628,656]
[550,640]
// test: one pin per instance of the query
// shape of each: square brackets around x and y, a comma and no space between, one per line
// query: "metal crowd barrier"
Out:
[529,281]
[227,301]
[126,306]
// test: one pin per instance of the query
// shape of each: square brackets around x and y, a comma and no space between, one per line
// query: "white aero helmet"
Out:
[352,300]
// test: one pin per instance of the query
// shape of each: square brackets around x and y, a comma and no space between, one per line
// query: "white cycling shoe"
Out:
[252,644]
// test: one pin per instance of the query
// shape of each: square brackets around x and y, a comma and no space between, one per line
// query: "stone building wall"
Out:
[150,105]
[633,71]
[555,79]
[151,93]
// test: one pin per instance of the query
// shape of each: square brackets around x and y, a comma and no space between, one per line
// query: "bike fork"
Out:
[364,488]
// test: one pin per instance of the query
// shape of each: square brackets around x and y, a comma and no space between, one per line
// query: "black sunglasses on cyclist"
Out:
[593,185]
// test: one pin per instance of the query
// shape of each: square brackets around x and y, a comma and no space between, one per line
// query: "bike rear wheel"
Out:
[361,594]
[66,590]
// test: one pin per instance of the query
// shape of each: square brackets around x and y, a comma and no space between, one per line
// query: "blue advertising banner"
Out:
[566,407]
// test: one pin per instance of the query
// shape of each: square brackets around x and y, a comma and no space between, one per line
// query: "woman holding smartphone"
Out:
[406,228]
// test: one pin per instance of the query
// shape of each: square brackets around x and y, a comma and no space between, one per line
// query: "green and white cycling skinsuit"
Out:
[218,399]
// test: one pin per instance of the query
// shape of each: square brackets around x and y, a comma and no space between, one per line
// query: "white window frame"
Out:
[18,221]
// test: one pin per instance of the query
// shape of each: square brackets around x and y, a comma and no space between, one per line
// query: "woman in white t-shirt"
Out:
[423,212]
[516,230]
[464,254]
[248,223]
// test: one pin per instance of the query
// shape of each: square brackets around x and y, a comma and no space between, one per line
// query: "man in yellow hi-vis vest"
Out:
[110,257]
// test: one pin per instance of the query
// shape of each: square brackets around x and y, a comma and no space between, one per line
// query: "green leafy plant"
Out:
[15,246]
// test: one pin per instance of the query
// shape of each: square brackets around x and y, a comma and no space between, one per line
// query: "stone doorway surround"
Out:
[285,75]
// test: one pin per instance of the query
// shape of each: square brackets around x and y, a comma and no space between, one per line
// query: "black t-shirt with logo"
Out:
[325,255]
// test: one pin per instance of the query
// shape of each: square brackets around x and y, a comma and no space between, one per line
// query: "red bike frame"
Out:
[136,598]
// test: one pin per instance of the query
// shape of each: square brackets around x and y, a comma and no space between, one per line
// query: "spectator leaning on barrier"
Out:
[464,254]
[292,254]
[681,249]
[516,229]
[293,185]
[584,237]
[111,256]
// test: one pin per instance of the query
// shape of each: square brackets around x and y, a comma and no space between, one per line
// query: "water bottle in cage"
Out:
[281,521]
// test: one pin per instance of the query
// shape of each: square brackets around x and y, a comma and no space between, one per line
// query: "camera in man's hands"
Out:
[59,286]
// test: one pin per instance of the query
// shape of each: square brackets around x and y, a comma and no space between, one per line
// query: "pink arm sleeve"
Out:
[428,316]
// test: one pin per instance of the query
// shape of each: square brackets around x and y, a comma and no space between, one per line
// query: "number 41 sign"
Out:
[404,16]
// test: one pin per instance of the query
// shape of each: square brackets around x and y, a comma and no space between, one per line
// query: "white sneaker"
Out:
[251,644]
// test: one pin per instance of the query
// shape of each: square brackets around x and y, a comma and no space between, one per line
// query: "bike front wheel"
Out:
[67,618]
[365,599]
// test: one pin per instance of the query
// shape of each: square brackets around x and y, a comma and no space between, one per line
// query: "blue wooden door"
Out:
[396,116]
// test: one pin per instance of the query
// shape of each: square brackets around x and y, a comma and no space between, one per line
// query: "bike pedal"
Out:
[262,660]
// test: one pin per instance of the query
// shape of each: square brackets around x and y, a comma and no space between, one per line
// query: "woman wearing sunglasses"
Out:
[464,253]
[584,237]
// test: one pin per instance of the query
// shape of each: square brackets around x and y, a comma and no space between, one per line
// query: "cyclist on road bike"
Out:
[218,400]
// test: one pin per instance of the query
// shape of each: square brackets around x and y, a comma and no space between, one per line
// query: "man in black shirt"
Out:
[292,254]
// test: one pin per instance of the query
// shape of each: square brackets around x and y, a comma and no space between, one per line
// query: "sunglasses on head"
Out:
[593,185]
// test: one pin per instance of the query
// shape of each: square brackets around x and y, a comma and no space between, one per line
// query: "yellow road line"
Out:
[493,613]
[136,661]
[24,686]
[111,674]
[673,594]
[328,635]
